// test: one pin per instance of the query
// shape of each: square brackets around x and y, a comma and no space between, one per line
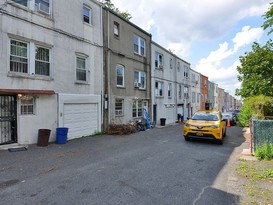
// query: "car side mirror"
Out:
[188,118]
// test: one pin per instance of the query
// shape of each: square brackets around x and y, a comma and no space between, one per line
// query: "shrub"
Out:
[264,151]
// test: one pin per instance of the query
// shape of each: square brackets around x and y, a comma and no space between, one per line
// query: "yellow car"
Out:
[205,124]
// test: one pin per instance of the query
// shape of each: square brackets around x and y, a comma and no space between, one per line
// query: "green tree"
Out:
[255,106]
[108,4]
[256,71]
[268,17]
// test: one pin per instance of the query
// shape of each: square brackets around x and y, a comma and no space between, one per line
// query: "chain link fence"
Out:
[262,132]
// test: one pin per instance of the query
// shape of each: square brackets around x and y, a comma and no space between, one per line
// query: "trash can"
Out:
[162,121]
[43,137]
[61,135]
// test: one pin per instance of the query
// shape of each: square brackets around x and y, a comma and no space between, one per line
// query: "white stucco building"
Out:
[195,91]
[51,68]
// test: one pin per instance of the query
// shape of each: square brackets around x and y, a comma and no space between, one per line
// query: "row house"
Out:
[51,68]
[127,70]
[204,90]
[163,85]
[216,103]
[221,100]
[211,88]
[195,91]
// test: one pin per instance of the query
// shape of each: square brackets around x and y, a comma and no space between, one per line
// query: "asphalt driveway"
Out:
[151,167]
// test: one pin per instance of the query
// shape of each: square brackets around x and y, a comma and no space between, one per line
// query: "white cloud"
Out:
[246,37]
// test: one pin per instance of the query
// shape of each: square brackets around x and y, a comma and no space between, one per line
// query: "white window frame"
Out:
[45,60]
[137,108]
[180,91]
[40,6]
[186,71]
[186,92]
[171,63]
[80,70]
[119,107]
[31,59]
[116,28]
[27,105]
[118,66]
[159,60]
[169,90]
[87,18]
[139,46]
[159,89]
[140,79]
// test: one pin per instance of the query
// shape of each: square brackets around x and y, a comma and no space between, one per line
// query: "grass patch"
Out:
[258,184]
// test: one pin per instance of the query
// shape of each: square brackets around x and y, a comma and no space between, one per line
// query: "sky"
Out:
[209,34]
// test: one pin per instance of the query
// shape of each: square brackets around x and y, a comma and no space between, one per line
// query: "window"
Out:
[22,2]
[169,90]
[140,79]
[120,75]
[158,60]
[27,105]
[87,18]
[178,66]
[198,97]
[137,108]
[171,63]
[186,72]
[29,58]
[42,64]
[81,69]
[119,107]
[186,92]
[179,91]
[159,89]
[42,6]
[193,97]
[139,46]
[18,56]
[116,29]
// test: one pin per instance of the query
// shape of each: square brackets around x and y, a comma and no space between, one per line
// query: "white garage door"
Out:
[81,119]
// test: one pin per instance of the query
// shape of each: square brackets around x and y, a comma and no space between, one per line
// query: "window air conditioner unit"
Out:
[42,8]
[196,82]
[160,66]
[137,84]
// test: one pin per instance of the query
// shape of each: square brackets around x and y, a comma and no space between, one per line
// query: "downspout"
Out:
[102,86]
[108,67]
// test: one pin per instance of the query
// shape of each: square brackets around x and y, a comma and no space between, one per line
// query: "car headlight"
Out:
[215,126]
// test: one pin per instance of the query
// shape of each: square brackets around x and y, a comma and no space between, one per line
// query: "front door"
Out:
[8,127]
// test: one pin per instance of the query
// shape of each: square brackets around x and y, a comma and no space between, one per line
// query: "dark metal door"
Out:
[154,114]
[8,121]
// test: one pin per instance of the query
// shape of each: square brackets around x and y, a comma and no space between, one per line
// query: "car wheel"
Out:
[187,138]
[220,141]
[225,132]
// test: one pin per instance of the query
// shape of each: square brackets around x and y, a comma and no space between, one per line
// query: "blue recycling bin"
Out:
[61,135]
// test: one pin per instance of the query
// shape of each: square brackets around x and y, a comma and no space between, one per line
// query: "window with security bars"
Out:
[81,69]
[42,64]
[27,105]
[29,58]
[18,56]
[119,107]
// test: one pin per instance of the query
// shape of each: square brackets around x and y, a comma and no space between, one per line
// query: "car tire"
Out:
[220,142]
[187,138]
[225,132]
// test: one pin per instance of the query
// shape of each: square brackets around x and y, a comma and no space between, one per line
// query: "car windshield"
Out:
[207,116]
[227,115]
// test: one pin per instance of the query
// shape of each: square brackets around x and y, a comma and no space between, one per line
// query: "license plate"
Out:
[199,134]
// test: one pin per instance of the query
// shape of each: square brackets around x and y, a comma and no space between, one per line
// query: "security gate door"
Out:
[8,133]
